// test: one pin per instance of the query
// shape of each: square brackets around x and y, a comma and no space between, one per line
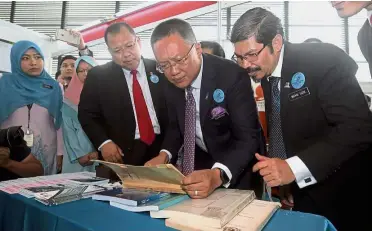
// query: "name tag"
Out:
[47,86]
[299,94]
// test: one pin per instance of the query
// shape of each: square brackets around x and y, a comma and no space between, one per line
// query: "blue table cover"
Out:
[18,213]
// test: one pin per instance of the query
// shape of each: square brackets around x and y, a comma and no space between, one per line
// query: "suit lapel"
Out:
[208,85]
[150,67]
[286,77]
[120,83]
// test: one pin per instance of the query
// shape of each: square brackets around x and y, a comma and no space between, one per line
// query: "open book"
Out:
[253,217]
[214,211]
[162,178]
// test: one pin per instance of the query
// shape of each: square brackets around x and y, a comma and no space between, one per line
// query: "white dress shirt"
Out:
[302,173]
[369,14]
[142,80]
[196,86]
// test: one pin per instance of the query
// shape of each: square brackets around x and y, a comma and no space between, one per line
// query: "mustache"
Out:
[252,69]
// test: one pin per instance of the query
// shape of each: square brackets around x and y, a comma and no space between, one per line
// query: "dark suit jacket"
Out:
[232,139]
[106,111]
[365,43]
[330,130]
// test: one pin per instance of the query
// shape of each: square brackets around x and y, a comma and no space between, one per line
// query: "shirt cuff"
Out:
[100,147]
[227,171]
[303,175]
[168,153]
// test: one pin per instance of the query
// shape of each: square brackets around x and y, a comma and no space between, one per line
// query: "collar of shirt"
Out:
[141,70]
[278,69]
[196,84]
[369,14]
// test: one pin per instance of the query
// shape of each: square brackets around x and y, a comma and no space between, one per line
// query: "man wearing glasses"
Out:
[320,128]
[122,107]
[214,130]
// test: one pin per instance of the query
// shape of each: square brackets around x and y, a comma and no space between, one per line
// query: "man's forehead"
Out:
[68,61]
[247,46]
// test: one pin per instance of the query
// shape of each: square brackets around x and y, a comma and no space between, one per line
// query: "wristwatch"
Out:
[224,178]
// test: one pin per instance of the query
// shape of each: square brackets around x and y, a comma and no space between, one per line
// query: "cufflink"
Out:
[307,180]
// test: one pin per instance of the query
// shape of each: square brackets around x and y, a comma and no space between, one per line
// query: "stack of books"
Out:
[158,189]
[139,200]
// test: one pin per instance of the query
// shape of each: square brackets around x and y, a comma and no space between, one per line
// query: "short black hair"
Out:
[116,27]
[257,22]
[214,46]
[65,58]
[173,26]
[313,40]
[58,73]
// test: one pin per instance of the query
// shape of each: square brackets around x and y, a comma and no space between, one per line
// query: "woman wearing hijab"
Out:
[78,148]
[31,98]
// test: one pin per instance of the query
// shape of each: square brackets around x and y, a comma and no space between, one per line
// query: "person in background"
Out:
[16,159]
[313,40]
[122,106]
[31,98]
[320,129]
[214,130]
[67,63]
[347,9]
[78,148]
[59,78]
[213,48]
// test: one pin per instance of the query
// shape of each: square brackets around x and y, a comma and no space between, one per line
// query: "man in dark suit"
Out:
[347,9]
[214,129]
[122,107]
[320,128]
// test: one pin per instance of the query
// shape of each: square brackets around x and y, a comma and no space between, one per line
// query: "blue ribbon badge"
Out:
[218,95]
[298,80]
[154,78]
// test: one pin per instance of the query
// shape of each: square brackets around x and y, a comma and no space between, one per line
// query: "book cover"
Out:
[253,217]
[162,203]
[91,180]
[215,211]
[130,197]
[162,178]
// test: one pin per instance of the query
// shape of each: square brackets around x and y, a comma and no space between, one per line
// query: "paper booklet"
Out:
[253,217]
[61,196]
[156,205]
[214,211]
[131,197]
[161,178]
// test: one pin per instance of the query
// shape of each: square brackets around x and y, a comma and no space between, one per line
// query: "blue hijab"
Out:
[18,89]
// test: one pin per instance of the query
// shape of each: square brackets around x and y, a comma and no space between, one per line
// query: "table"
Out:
[18,213]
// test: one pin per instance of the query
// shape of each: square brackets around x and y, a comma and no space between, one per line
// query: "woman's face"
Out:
[82,70]
[32,63]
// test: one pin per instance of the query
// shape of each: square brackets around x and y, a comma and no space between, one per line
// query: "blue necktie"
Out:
[276,143]
[189,137]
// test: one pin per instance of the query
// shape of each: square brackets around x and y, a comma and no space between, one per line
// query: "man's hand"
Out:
[4,156]
[162,158]
[59,163]
[112,153]
[275,172]
[200,184]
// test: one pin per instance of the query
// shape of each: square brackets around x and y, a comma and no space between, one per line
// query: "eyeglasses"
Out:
[82,70]
[249,57]
[162,67]
[127,47]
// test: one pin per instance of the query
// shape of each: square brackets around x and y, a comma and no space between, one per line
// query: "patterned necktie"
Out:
[145,127]
[276,143]
[189,137]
